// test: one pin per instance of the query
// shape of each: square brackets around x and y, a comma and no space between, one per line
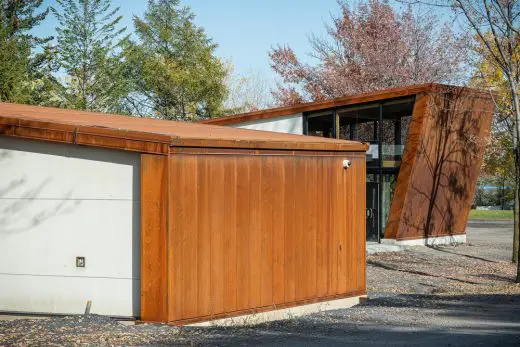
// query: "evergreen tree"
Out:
[175,72]
[18,64]
[43,88]
[90,50]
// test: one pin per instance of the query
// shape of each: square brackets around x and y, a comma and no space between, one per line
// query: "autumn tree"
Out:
[90,51]
[496,26]
[175,72]
[499,163]
[369,47]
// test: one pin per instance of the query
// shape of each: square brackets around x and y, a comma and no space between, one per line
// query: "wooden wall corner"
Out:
[154,237]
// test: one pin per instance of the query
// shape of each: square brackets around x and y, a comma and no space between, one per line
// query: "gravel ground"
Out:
[458,296]
[482,265]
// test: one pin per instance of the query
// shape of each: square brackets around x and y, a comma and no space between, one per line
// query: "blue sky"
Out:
[245,30]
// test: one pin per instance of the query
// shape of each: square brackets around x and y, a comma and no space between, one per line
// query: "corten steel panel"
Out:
[407,164]
[146,135]
[439,170]
[250,233]
[154,237]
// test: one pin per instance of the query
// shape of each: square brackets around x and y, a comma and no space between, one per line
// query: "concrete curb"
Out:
[286,313]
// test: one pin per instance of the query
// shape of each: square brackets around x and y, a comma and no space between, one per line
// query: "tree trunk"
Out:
[503,195]
[516,248]
[516,109]
[516,224]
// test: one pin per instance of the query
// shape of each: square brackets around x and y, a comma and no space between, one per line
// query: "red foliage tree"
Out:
[370,47]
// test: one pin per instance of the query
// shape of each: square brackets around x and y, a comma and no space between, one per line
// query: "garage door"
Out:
[69,228]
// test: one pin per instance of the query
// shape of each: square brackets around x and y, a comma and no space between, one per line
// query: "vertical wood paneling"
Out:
[254,229]
[229,249]
[311,168]
[266,230]
[290,217]
[203,253]
[218,198]
[177,238]
[343,215]
[335,213]
[322,229]
[154,286]
[359,222]
[299,233]
[188,194]
[243,203]
[352,202]
[257,232]
[278,232]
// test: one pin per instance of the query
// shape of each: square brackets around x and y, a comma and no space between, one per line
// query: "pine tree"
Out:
[176,74]
[18,64]
[90,51]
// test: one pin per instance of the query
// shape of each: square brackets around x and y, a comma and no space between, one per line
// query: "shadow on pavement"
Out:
[442,249]
[415,272]
[425,320]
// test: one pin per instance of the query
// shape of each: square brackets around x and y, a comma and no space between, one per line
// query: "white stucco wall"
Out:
[292,124]
[60,201]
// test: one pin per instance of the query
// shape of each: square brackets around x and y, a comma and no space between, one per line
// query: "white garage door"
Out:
[59,202]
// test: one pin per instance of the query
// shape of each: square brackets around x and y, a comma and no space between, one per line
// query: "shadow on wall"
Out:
[14,216]
[26,206]
[450,147]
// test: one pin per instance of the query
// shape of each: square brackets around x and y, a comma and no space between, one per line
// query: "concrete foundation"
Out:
[376,247]
[286,313]
[430,241]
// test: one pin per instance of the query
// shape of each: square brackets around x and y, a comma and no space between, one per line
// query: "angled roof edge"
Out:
[147,135]
[338,102]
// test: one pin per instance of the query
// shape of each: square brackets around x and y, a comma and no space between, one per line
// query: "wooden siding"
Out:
[439,170]
[154,237]
[252,233]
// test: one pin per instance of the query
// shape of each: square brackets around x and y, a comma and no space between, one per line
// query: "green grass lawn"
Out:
[478,214]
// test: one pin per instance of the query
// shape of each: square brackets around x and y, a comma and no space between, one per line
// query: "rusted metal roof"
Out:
[337,102]
[146,134]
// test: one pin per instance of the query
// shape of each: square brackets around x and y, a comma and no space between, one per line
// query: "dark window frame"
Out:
[379,171]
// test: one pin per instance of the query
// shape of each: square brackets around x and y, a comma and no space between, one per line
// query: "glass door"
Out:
[372,211]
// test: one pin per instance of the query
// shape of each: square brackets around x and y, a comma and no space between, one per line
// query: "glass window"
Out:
[405,126]
[388,182]
[321,126]
[362,124]
[396,121]
[383,126]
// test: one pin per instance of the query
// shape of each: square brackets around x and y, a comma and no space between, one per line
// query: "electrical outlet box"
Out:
[80,261]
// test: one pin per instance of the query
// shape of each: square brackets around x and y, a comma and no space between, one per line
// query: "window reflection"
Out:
[321,125]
